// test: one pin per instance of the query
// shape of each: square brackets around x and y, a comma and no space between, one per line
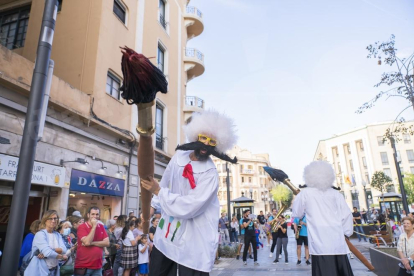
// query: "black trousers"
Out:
[247,241]
[403,272]
[331,265]
[274,240]
[160,265]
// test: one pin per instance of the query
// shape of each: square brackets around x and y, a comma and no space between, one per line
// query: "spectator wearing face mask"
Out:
[64,229]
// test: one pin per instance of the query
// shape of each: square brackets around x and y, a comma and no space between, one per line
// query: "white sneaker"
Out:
[271,255]
[256,263]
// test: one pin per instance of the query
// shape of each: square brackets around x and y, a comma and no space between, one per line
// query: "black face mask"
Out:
[197,147]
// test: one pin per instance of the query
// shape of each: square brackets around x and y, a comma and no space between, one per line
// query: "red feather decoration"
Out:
[142,79]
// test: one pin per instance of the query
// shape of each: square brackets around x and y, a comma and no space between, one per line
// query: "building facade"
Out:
[357,154]
[87,153]
[247,178]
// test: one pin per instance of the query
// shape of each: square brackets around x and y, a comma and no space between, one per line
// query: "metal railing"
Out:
[194,101]
[191,52]
[194,10]
[163,21]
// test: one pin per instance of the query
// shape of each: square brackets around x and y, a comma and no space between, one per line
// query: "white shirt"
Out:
[195,211]
[406,245]
[143,257]
[128,238]
[329,219]
[53,243]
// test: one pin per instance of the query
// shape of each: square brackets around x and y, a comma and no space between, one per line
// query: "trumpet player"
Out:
[282,239]
[301,232]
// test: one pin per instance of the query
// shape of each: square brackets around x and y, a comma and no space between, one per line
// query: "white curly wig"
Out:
[319,174]
[214,125]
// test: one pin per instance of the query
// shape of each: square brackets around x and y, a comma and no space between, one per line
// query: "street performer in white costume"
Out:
[326,237]
[187,197]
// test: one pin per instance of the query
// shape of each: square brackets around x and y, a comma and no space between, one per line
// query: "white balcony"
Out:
[193,63]
[193,20]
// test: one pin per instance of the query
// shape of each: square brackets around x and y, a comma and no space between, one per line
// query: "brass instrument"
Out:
[274,224]
[298,229]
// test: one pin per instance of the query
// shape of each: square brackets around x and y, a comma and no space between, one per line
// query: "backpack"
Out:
[26,261]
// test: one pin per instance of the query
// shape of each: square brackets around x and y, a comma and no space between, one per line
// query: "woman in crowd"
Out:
[48,248]
[138,228]
[129,258]
[234,230]
[113,245]
[66,267]
[28,240]
[120,224]
[282,239]
[405,247]
[153,228]
[75,221]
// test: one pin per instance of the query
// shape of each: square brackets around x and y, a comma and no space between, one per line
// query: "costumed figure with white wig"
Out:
[187,197]
[326,237]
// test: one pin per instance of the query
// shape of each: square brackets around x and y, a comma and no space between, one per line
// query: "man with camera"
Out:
[249,236]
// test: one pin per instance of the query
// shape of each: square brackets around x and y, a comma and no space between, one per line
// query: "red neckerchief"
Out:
[188,173]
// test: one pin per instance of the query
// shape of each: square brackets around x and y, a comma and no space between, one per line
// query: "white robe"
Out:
[197,210]
[328,217]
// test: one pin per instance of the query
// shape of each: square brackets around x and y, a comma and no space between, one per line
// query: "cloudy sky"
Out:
[294,72]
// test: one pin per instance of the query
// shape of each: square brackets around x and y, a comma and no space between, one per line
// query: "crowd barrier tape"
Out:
[369,224]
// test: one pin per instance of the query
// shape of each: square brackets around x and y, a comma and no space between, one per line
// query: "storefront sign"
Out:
[87,182]
[43,174]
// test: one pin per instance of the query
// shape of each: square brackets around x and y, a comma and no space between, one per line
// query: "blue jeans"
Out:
[233,237]
[359,229]
[93,272]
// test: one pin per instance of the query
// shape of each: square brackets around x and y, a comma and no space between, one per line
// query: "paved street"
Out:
[233,267]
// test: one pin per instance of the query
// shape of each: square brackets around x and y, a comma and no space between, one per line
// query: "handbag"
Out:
[80,271]
[233,229]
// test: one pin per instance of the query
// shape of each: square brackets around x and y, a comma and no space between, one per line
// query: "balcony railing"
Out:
[163,22]
[194,101]
[194,53]
[247,171]
[195,11]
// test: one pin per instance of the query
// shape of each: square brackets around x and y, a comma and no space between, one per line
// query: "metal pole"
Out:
[400,180]
[228,192]
[18,210]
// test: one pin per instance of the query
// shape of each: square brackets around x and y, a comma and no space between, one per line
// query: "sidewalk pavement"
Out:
[233,267]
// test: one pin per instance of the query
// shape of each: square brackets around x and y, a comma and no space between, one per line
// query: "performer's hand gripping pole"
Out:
[145,129]
[279,175]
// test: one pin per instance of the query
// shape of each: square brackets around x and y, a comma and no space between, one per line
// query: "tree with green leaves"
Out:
[399,83]
[282,194]
[409,186]
[380,181]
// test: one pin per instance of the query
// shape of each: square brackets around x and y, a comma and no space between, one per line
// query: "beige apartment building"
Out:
[247,178]
[90,130]
[360,152]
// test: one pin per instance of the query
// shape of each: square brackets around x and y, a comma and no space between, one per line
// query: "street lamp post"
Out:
[355,194]
[228,191]
[364,184]
[20,200]
[400,180]
[265,198]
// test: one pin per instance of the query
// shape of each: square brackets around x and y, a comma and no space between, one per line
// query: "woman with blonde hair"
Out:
[48,248]
[28,240]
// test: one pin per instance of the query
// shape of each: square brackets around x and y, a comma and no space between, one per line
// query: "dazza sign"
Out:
[87,182]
